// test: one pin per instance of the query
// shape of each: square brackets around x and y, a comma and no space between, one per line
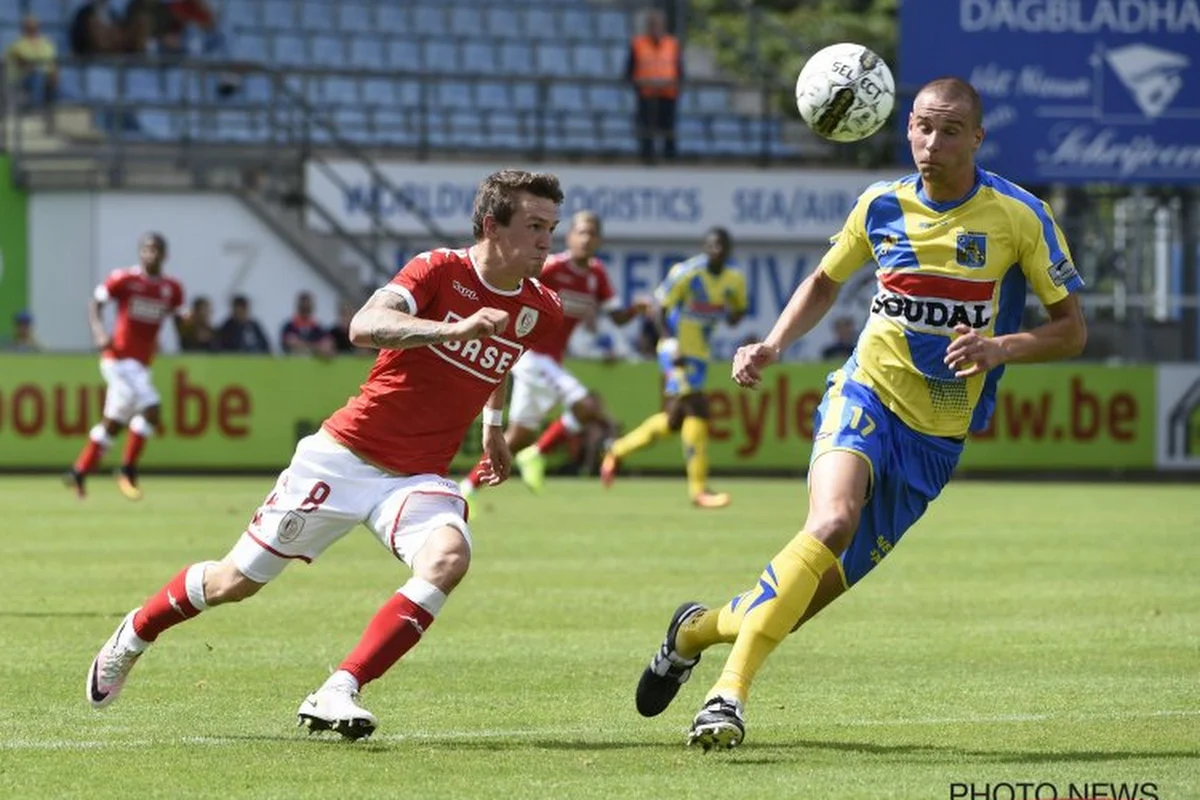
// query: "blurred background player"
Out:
[540,381]
[449,327]
[891,427]
[144,298]
[697,295]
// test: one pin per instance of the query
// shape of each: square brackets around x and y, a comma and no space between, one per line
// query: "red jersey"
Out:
[582,293]
[143,301]
[417,404]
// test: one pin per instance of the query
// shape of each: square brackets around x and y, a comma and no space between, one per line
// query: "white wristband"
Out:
[493,417]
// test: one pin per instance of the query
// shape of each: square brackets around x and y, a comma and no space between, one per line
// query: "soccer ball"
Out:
[845,92]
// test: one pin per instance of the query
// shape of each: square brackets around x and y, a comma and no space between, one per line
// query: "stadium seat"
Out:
[479,57]
[238,16]
[256,89]
[290,50]
[428,20]
[328,52]
[515,59]
[157,125]
[492,95]
[553,60]
[410,94]
[352,124]
[396,128]
[576,23]
[466,129]
[440,57]
[10,19]
[504,131]
[608,98]
[541,24]
[525,96]
[142,85]
[366,52]
[616,134]
[453,95]
[591,61]
[70,83]
[280,15]
[612,25]
[465,22]
[378,92]
[100,83]
[354,18]
[316,17]
[250,47]
[404,55]
[338,91]
[47,11]
[392,18]
[567,97]
[503,23]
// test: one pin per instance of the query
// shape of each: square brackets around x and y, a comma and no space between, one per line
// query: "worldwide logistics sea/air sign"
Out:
[247,412]
[635,203]
[1074,91]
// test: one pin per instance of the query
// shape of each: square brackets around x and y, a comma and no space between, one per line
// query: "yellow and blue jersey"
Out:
[696,301]
[968,261]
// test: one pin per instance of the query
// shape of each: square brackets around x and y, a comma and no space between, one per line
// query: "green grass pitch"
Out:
[1038,633]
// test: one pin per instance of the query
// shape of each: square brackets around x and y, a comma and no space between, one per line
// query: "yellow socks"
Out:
[695,453]
[769,612]
[653,428]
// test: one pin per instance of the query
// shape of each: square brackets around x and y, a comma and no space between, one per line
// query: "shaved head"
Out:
[955,90]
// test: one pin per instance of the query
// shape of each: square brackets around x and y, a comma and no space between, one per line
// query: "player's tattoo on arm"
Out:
[387,322]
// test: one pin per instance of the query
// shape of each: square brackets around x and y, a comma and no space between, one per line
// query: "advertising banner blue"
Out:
[1074,91]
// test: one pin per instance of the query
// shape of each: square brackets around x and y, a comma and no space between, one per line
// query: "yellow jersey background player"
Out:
[696,296]
[955,249]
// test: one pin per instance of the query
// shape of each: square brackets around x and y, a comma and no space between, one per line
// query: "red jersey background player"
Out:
[449,327]
[144,298]
[540,381]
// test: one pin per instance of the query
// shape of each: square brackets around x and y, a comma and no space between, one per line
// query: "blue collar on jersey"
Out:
[980,180]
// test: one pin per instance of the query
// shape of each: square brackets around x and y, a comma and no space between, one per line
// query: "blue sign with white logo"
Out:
[1074,91]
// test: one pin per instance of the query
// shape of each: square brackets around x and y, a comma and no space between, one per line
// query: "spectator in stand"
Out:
[196,334]
[655,68]
[98,30]
[303,335]
[23,340]
[32,64]
[845,338]
[241,333]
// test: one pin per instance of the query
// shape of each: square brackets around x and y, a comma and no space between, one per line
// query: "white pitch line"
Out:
[536,733]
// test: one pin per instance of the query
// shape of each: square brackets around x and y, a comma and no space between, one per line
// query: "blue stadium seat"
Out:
[410,94]
[705,100]
[280,15]
[10,18]
[392,18]
[316,16]
[378,92]
[156,125]
[617,134]
[9,32]
[436,129]
[290,50]
[256,89]
[70,83]
[618,58]
[515,59]
[577,23]
[440,57]
[250,47]
[610,99]
[692,135]
[492,95]
[453,94]
[366,52]
[553,59]
[353,124]
[567,97]
[579,132]
[541,23]
[479,56]
[100,83]
[505,131]
[429,20]
[354,18]
[142,85]
[404,55]
[592,61]
[47,11]
[328,51]
[338,91]
[466,129]
[240,15]
[503,22]
[464,22]
[396,128]
[612,25]
[238,126]
[525,96]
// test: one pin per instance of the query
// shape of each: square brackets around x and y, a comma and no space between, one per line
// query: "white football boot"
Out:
[336,708]
[111,666]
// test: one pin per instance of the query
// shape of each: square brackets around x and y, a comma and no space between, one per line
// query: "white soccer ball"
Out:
[845,92]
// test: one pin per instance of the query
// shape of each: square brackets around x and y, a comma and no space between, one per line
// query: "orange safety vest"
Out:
[656,66]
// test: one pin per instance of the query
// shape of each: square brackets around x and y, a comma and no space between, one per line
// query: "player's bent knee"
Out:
[444,559]
[834,525]
[225,583]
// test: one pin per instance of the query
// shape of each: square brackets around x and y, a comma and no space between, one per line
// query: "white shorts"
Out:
[539,384]
[325,492]
[129,388]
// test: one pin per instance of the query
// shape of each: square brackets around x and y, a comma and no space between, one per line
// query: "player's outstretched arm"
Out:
[386,322]
[1064,336]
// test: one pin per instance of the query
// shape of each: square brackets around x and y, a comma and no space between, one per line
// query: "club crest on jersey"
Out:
[526,319]
[971,249]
